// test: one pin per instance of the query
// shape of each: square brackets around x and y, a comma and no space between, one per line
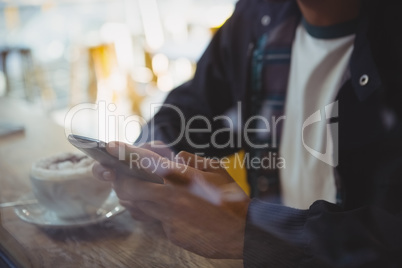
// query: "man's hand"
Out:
[200,206]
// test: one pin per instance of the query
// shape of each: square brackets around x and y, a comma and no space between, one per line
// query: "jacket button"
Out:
[265,20]
[364,79]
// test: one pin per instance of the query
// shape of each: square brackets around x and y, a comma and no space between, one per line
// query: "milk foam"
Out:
[63,166]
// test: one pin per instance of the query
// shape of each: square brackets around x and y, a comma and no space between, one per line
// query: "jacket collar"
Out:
[277,11]
[364,73]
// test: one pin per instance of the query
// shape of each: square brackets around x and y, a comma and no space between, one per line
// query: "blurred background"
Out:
[55,54]
[99,68]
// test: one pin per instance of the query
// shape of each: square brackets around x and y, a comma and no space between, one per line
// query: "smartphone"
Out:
[96,149]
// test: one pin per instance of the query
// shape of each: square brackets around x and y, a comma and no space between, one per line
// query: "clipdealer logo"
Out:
[107,120]
[330,156]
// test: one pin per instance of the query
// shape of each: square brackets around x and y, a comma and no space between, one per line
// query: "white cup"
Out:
[64,184]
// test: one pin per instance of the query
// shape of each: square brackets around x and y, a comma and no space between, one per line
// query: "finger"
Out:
[231,192]
[213,165]
[155,211]
[152,162]
[192,160]
[128,188]
[123,150]
[117,149]
[130,153]
[103,173]
[199,162]
[178,174]
[174,172]
[159,148]
[136,213]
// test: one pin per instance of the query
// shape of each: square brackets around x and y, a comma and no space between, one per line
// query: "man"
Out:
[340,207]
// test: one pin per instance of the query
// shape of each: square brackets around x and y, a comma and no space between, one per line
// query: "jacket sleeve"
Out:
[367,234]
[195,104]
[322,236]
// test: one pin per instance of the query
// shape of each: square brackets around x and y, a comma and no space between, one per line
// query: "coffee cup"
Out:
[64,184]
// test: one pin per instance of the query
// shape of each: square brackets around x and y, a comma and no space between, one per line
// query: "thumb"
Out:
[173,172]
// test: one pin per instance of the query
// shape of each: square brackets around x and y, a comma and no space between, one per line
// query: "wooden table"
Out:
[118,242]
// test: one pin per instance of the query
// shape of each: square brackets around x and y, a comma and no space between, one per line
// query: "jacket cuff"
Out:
[274,236]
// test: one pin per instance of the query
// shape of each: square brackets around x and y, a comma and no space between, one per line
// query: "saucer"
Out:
[38,215]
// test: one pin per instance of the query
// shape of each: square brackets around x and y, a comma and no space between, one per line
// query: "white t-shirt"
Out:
[319,67]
